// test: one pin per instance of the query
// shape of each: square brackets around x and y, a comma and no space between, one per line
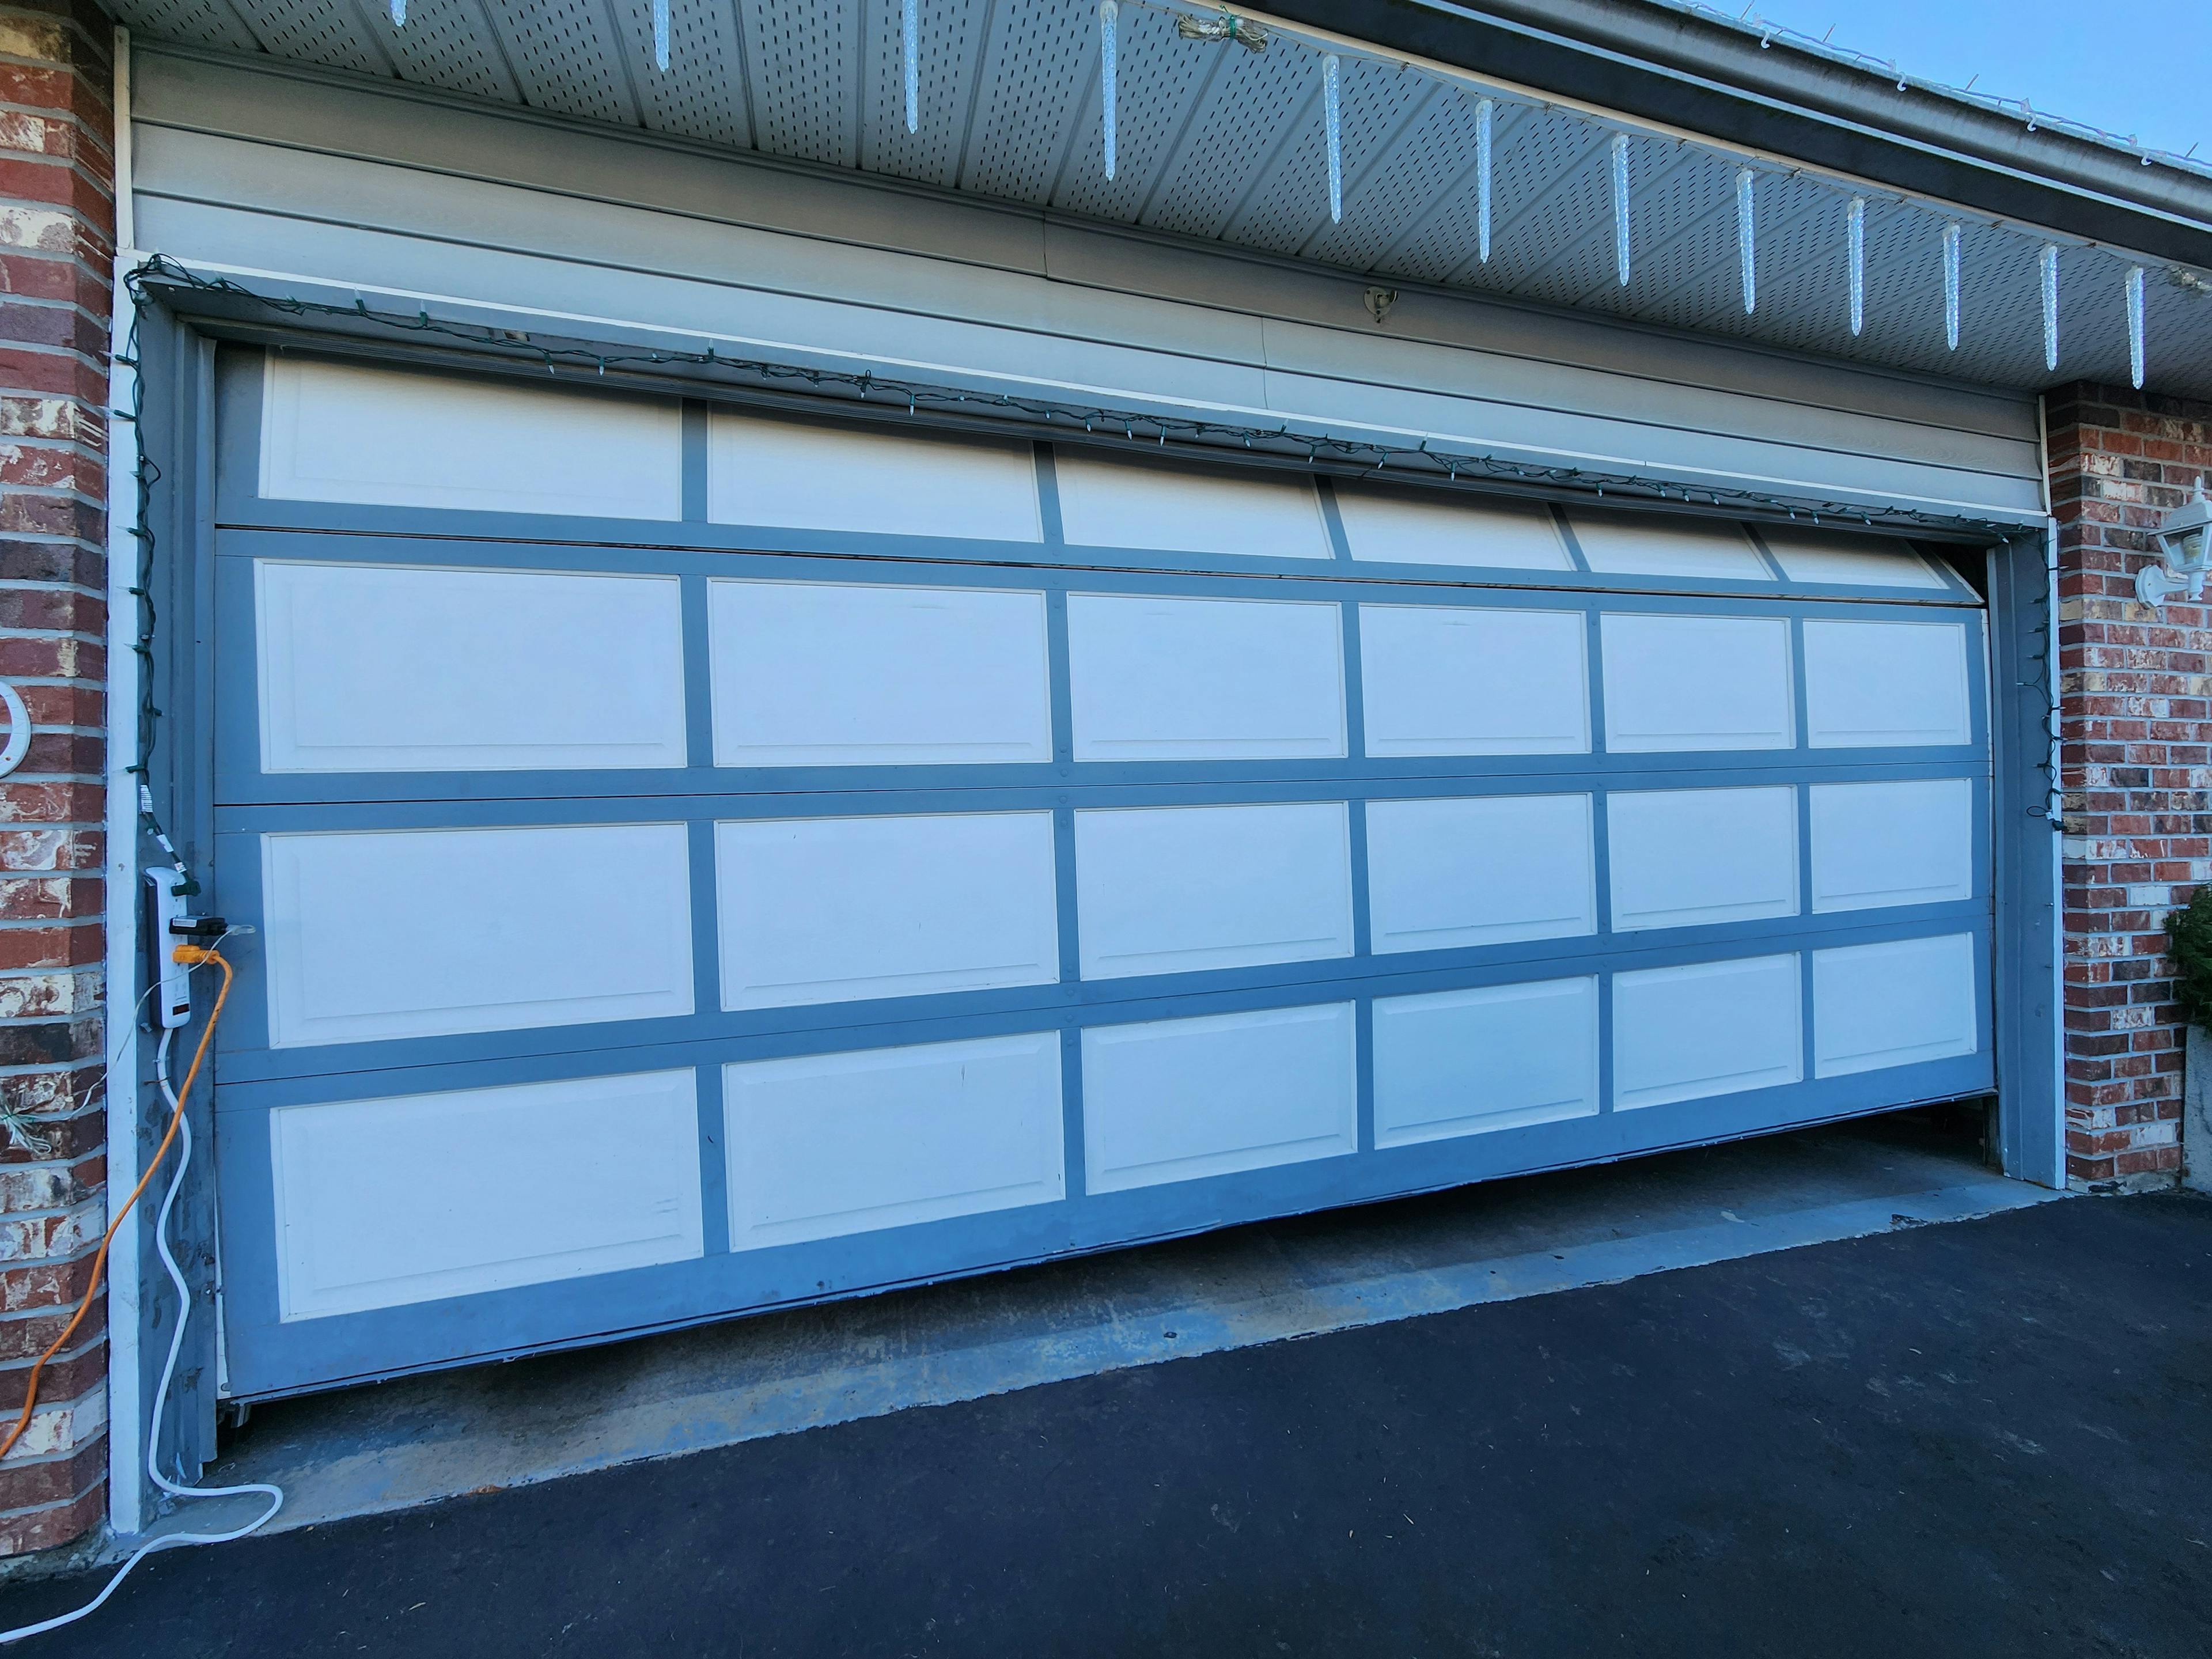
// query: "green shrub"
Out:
[2190,930]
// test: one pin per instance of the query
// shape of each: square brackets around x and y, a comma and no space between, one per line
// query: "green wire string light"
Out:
[1416,461]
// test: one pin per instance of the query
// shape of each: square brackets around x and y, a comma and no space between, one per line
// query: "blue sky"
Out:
[2132,66]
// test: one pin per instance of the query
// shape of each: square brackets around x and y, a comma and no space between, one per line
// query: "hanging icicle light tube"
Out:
[660,33]
[1110,68]
[1855,251]
[2047,285]
[1745,246]
[1951,286]
[909,58]
[1332,105]
[1486,115]
[1621,207]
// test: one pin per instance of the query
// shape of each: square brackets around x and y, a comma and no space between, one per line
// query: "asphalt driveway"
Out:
[1991,1437]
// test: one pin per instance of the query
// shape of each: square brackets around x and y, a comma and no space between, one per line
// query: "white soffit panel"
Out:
[1460,680]
[853,674]
[1158,678]
[1623,546]
[1446,873]
[1112,502]
[825,1144]
[382,933]
[793,475]
[1692,683]
[1885,684]
[1840,558]
[1173,1100]
[1688,858]
[1710,1028]
[383,1202]
[347,432]
[1876,844]
[1401,527]
[1170,890]
[837,909]
[395,668]
[1461,1062]
[1894,1004]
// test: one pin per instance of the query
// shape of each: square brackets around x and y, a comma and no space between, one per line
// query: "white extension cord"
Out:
[175,1540]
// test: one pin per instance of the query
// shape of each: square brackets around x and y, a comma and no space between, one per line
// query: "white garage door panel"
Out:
[1657,547]
[1848,561]
[1875,684]
[1409,528]
[375,934]
[801,477]
[346,432]
[1462,1062]
[382,1202]
[1893,1005]
[1457,680]
[383,668]
[1685,682]
[1487,870]
[1712,1028]
[826,1145]
[852,674]
[836,910]
[1156,678]
[1892,843]
[1127,503]
[1173,1100]
[1174,890]
[1687,857]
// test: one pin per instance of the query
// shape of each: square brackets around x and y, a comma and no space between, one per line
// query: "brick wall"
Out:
[57,225]
[2138,772]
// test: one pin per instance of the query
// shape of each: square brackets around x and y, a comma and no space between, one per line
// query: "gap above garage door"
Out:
[703,861]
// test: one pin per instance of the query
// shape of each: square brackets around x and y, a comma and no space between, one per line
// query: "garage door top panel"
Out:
[326,444]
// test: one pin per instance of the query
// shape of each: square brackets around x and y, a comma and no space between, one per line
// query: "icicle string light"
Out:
[399,14]
[1746,247]
[1855,251]
[1485,116]
[909,58]
[660,34]
[2136,326]
[1951,285]
[1109,65]
[1620,208]
[2047,262]
[1332,113]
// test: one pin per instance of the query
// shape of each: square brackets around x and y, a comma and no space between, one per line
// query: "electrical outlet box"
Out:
[172,996]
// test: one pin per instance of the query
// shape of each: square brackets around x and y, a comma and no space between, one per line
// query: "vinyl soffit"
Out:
[1220,143]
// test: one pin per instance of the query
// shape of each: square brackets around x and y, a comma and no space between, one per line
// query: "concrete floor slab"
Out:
[413,1441]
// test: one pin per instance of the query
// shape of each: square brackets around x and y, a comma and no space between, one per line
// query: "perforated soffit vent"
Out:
[1222,143]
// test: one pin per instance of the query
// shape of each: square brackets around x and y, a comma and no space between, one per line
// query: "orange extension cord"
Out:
[193,957]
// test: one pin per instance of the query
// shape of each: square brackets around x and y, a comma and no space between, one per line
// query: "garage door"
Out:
[703,861]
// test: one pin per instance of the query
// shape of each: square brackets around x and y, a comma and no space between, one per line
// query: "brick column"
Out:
[2137,777]
[57,228]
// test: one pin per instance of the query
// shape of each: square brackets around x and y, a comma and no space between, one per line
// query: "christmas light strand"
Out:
[1190,435]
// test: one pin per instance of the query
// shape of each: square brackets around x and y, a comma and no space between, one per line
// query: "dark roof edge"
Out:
[1676,68]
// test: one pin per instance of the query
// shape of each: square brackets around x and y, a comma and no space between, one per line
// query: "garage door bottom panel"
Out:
[269,1357]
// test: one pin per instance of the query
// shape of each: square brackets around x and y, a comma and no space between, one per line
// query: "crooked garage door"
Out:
[702,862]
